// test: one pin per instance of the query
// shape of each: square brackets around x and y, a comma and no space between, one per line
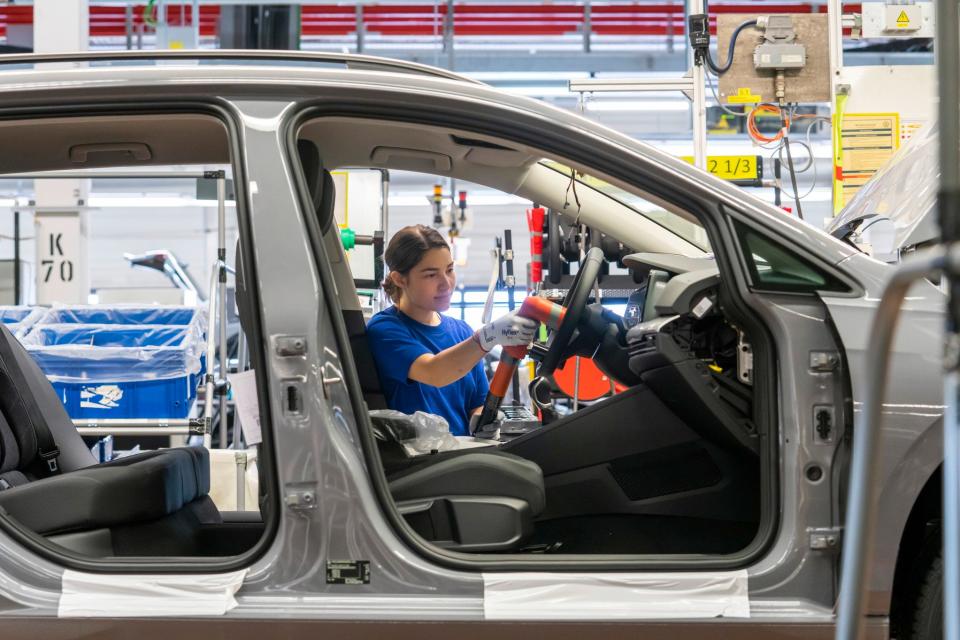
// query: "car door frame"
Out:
[584,149]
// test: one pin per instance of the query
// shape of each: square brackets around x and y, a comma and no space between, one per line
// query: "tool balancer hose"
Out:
[733,43]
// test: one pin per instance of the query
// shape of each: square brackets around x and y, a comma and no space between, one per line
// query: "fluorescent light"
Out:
[472,200]
[637,105]
[534,91]
[152,202]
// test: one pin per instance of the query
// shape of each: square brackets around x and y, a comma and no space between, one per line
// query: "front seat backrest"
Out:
[319,183]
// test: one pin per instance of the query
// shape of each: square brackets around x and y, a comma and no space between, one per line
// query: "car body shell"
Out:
[319,449]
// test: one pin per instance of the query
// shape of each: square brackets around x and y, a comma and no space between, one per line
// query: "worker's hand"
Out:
[508,331]
[489,428]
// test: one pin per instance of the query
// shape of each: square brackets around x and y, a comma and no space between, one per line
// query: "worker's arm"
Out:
[451,364]
[448,366]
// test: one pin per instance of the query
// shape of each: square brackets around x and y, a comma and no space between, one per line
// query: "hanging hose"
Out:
[771,110]
[785,130]
[730,49]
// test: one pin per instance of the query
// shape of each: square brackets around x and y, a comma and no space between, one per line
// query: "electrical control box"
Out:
[795,44]
[890,20]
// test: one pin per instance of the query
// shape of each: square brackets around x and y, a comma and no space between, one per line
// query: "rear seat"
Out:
[76,494]
[138,488]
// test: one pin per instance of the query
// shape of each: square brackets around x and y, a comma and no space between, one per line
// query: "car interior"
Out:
[670,465]
[648,471]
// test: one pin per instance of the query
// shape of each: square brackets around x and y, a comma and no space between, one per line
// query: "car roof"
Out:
[268,70]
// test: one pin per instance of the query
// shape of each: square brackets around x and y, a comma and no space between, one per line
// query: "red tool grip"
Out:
[535,218]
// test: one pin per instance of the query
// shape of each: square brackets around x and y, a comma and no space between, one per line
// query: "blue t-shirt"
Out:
[396,340]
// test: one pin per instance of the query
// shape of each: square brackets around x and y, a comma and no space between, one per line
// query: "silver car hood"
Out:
[903,192]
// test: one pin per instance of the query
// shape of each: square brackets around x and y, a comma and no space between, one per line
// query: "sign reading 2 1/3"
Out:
[56,266]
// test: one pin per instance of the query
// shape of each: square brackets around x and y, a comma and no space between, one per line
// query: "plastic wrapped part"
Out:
[904,191]
[19,319]
[126,314]
[86,353]
[419,433]
[615,596]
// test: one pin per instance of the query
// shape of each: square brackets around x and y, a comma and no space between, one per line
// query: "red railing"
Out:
[554,19]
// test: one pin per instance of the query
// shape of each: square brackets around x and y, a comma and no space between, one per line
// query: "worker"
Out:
[427,361]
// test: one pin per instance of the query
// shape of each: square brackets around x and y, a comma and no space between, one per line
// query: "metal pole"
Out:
[587,26]
[112,423]
[237,442]
[948,56]
[862,495]
[95,175]
[16,258]
[222,298]
[699,99]
[951,507]
[358,12]
[448,35]
[210,387]
[128,25]
[195,9]
[136,431]
[511,282]
[240,457]
[576,383]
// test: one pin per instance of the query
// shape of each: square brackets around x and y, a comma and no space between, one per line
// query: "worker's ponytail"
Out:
[405,251]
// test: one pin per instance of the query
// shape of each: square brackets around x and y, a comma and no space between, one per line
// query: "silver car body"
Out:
[318,449]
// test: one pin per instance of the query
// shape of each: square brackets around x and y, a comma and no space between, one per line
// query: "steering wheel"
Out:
[574,302]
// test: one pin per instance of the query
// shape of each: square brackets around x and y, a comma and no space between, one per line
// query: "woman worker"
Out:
[427,361]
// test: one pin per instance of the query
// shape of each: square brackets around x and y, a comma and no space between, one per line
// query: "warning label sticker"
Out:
[744,95]
[868,140]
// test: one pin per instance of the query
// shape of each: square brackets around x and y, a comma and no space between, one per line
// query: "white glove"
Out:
[508,331]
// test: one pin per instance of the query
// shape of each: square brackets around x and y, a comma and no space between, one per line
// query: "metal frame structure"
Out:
[692,84]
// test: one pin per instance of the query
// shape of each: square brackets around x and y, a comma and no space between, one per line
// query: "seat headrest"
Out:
[240,288]
[319,183]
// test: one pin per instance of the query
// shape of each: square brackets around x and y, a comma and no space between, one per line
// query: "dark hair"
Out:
[406,249]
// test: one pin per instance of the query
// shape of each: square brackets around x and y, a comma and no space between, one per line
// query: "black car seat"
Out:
[51,484]
[470,501]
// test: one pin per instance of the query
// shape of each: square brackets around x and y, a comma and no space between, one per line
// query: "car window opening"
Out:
[104,454]
[659,452]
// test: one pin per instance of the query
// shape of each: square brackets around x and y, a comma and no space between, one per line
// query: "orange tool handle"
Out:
[540,309]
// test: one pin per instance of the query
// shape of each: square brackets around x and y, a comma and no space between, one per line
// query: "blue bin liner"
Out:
[136,315]
[175,316]
[120,371]
[19,319]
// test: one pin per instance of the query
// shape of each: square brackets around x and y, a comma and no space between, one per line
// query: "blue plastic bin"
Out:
[137,316]
[120,371]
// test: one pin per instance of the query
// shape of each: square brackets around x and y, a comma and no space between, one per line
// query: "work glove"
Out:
[475,417]
[509,330]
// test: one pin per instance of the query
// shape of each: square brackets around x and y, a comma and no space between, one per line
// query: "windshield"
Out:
[687,228]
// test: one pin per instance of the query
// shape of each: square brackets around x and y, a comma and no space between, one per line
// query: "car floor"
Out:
[640,534]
